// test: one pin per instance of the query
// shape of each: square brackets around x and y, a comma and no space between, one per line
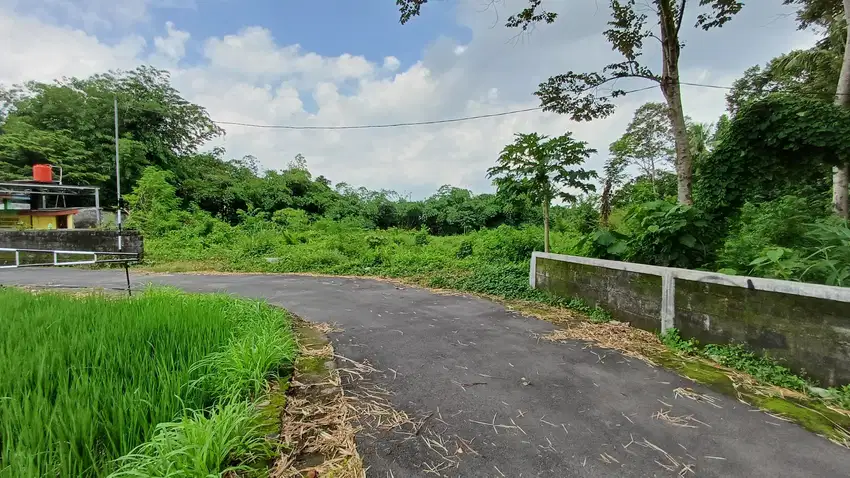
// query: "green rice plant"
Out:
[262,348]
[226,440]
[86,379]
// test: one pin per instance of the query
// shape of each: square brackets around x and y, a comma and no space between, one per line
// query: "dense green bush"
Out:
[604,244]
[823,258]
[673,235]
[782,222]
[508,244]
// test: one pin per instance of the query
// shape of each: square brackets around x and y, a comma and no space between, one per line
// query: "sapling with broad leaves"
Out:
[543,169]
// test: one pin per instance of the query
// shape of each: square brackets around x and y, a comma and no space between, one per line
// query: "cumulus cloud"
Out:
[101,15]
[248,76]
[171,47]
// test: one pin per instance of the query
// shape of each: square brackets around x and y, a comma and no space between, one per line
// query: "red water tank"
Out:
[42,173]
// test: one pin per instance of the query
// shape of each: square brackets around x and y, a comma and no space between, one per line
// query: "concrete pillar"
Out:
[97,205]
[668,301]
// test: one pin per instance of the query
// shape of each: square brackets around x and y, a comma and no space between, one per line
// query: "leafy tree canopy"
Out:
[156,124]
[780,145]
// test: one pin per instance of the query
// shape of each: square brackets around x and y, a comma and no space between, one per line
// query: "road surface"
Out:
[528,407]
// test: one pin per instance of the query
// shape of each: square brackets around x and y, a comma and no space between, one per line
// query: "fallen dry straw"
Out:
[684,421]
[318,426]
[630,341]
[321,420]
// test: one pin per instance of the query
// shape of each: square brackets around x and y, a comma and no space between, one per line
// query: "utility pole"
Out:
[118,193]
[117,176]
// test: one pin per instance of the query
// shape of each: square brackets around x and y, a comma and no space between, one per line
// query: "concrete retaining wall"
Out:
[72,240]
[807,326]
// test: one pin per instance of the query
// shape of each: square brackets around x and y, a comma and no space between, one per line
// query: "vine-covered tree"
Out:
[577,94]
[832,16]
[781,145]
[545,169]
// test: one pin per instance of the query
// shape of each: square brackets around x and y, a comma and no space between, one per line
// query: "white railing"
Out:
[57,257]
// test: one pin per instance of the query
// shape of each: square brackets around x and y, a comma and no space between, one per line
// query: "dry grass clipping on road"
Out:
[317,426]
[321,420]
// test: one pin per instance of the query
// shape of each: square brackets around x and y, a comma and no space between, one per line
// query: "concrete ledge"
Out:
[841,294]
[72,240]
[806,325]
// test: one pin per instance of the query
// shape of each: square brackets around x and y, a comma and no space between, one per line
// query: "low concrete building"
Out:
[42,205]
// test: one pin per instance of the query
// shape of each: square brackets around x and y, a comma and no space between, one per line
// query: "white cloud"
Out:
[246,76]
[94,14]
[391,63]
[39,51]
[171,47]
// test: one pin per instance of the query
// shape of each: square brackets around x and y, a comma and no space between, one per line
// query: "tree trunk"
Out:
[671,88]
[842,98]
[605,203]
[684,162]
[545,225]
[652,174]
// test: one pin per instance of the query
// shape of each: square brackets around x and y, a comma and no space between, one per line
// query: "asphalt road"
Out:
[528,407]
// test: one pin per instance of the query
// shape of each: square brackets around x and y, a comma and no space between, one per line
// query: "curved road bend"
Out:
[528,407]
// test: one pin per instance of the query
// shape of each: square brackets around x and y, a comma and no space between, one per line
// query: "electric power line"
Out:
[386,125]
[397,125]
[717,87]
[440,121]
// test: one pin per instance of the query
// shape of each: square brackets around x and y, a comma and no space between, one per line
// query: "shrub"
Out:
[465,249]
[825,257]
[421,237]
[293,219]
[830,253]
[510,244]
[154,206]
[778,223]
[672,235]
[604,244]
[375,241]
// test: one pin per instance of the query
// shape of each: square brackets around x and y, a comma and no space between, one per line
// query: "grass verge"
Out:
[95,385]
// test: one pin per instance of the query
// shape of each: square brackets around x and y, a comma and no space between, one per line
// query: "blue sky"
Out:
[355,64]
[327,27]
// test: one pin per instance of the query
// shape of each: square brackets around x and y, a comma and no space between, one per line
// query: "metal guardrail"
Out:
[96,257]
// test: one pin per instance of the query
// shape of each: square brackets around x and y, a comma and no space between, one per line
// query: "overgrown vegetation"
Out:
[165,380]
[761,189]
[762,367]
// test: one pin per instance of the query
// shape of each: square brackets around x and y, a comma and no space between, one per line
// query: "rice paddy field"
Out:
[162,384]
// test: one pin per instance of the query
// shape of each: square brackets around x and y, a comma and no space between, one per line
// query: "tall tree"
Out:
[648,142]
[156,124]
[841,173]
[578,95]
[545,169]
[615,174]
[833,15]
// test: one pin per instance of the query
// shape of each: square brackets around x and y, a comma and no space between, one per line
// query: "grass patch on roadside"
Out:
[166,380]
[764,383]
[761,367]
